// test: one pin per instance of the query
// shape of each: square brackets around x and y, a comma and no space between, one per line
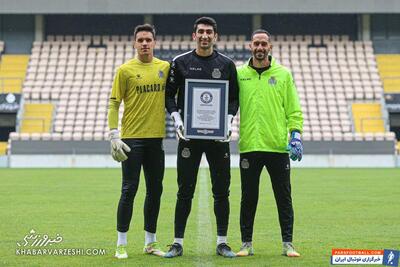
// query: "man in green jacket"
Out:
[269,112]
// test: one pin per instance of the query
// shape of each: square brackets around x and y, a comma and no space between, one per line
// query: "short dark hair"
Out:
[144,28]
[260,31]
[207,21]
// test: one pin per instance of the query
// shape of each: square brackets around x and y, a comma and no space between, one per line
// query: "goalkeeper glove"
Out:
[295,146]
[118,148]
[178,123]
[229,129]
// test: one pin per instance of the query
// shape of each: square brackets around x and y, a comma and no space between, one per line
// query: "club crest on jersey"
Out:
[185,152]
[245,164]
[216,74]
[160,74]
[272,81]
[138,77]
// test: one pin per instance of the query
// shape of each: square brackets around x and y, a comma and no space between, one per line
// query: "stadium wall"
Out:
[18,33]
[105,161]
[205,6]
[71,154]
[166,24]
[385,33]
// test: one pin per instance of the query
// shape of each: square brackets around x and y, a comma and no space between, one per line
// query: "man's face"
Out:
[205,36]
[260,46]
[144,43]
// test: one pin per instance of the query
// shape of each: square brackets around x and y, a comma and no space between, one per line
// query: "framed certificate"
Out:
[206,109]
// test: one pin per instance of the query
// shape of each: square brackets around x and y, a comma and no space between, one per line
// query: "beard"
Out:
[260,55]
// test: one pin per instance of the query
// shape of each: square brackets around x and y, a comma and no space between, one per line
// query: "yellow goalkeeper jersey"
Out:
[141,86]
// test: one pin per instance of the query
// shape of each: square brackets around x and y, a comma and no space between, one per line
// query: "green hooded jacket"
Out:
[269,108]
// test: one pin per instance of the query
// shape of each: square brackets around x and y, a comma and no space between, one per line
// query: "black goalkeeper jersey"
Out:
[189,65]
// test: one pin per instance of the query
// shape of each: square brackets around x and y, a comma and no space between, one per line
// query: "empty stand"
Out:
[389,70]
[331,72]
[12,72]
[368,117]
[37,118]
[3,148]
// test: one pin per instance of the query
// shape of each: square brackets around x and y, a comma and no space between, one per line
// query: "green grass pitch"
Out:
[334,208]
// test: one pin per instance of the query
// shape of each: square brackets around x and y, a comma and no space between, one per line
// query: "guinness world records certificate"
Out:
[206,109]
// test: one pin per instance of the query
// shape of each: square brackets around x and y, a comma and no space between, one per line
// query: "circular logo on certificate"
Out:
[206,97]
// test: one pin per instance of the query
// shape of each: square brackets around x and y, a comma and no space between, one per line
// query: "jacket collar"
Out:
[271,60]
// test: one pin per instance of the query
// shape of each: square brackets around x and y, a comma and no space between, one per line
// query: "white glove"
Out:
[229,130]
[118,148]
[178,123]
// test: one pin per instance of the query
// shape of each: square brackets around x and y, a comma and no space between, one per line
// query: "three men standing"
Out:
[270,110]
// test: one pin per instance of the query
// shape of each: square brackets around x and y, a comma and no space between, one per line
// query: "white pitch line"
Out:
[204,228]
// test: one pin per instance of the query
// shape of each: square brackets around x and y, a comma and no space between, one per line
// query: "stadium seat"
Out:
[68,70]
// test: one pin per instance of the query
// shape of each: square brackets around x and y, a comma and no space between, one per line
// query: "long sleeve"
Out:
[113,113]
[233,105]
[294,115]
[117,95]
[172,88]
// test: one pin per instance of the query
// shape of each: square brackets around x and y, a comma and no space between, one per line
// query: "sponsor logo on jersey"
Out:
[195,68]
[245,79]
[147,88]
[216,74]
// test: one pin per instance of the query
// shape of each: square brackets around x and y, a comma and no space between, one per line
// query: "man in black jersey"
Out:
[202,63]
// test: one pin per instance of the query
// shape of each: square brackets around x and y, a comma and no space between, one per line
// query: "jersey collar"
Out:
[271,64]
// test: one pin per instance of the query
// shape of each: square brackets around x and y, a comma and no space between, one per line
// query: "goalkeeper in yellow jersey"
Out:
[140,84]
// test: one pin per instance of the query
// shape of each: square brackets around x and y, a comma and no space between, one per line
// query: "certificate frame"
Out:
[206,109]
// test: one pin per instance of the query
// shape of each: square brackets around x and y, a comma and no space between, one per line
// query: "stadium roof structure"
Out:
[198,7]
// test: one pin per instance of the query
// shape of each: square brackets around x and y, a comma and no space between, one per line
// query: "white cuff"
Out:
[176,117]
[113,134]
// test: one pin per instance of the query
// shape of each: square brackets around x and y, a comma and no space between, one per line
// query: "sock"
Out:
[149,238]
[122,236]
[179,241]
[247,244]
[285,244]
[221,239]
